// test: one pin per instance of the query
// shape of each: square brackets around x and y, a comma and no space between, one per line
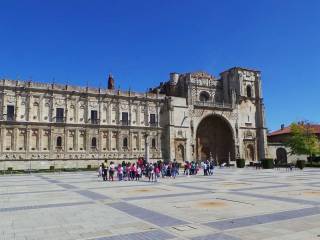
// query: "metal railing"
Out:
[124,122]
[95,121]
[59,119]
[153,124]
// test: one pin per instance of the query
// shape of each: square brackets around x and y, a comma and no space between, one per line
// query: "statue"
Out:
[110,82]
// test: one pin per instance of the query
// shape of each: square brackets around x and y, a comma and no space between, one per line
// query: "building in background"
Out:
[277,144]
[192,116]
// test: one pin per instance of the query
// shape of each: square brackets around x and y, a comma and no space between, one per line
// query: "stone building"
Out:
[191,116]
[278,149]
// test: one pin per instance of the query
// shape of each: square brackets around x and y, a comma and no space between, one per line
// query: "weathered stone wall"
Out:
[91,125]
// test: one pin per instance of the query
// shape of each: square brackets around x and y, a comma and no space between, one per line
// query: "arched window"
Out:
[249,91]
[125,142]
[153,143]
[204,96]
[93,142]
[59,142]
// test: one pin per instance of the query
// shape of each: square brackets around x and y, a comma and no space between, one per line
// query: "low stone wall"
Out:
[272,153]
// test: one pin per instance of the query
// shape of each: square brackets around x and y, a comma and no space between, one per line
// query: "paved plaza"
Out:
[233,204]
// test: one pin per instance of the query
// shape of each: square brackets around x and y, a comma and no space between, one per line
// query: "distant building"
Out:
[277,144]
[192,116]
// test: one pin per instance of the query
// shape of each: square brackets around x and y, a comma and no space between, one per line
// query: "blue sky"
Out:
[79,42]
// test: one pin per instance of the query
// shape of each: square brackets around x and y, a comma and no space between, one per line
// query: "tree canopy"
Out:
[303,140]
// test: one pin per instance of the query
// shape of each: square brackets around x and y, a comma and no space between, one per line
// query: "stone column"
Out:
[76,142]
[40,131]
[2,138]
[51,141]
[118,148]
[27,142]
[15,138]
[138,115]
[146,147]
[109,138]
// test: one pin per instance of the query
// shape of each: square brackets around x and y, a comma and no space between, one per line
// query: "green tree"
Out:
[303,140]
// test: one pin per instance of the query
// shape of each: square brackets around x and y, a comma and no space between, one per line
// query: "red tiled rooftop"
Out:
[287,130]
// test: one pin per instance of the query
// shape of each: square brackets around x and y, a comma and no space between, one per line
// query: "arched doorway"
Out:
[281,156]
[214,135]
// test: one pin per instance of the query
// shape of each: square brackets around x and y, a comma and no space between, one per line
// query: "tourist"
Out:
[205,168]
[174,169]
[211,167]
[138,174]
[186,171]
[133,171]
[104,172]
[100,171]
[120,172]
[151,172]
[111,171]
[156,172]
[128,171]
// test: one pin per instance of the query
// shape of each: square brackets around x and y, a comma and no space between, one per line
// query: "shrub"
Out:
[240,163]
[313,159]
[51,168]
[301,164]
[10,169]
[316,165]
[267,163]
[89,166]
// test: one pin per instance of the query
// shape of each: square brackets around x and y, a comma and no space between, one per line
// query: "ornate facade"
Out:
[214,118]
[191,116]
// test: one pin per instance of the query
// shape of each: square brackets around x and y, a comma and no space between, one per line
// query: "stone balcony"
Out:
[209,104]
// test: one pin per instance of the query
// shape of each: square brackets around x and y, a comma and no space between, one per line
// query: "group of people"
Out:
[193,168]
[127,171]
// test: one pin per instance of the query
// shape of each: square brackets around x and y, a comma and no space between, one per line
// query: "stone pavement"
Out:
[233,204]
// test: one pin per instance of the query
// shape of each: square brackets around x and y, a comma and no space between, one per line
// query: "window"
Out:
[94,117]
[125,142]
[125,118]
[10,113]
[249,91]
[94,142]
[153,143]
[204,97]
[59,115]
[59,142]
[152,119]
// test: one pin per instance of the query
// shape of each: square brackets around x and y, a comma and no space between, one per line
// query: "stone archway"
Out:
[281,156]
[215,136]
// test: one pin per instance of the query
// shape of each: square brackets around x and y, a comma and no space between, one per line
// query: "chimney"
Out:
[282,126]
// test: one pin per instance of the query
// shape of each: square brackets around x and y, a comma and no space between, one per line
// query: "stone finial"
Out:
[110,82]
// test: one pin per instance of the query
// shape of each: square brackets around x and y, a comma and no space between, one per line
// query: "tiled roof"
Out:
[287,130]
